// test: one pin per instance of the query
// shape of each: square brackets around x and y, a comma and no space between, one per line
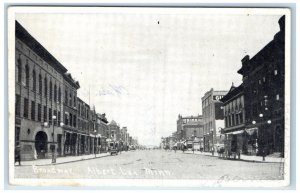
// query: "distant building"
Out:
[114,131]
[263,80]
[189,126]
[213,118]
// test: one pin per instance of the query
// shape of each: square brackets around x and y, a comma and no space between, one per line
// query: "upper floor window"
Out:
[45,87]
[27,75]
[19,70]
[55,92]
[275,72]
[277,97]
[40,84]
[50,89]
[34,80]
[18,105]
[59,94]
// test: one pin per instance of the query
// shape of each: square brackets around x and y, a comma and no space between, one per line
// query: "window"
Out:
[17,136]
[70,100]
[58,117]
[55,93]
[50,90]
[34,80]
[55,120]
[66,118]
[74,102]
[50,116]
[71,119]
[66,96]
[19,70]
[259,81]
[18,105]
[39,112]
[40,84]
[74,121]
[25,108]
[264,79]
[45,87]
[27,75]
[59,95]
[33,110]
[277,97]
[45,113]
[275,72]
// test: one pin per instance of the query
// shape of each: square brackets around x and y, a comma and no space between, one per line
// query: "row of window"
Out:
[53,90]
[33,111]
[234,119]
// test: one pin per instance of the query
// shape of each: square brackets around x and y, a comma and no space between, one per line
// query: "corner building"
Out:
[39,85]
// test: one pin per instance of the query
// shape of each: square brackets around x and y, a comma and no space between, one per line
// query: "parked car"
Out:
[113,148]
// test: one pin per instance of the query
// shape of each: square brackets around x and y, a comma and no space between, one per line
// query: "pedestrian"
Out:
[18,154]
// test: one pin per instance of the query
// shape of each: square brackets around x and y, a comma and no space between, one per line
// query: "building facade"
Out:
[187,125]
[236,139]
[213,118]
[263,80]
[38,103]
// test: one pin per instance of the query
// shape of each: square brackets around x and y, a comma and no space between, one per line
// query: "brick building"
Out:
[263,80]
[39,85]
[213,118]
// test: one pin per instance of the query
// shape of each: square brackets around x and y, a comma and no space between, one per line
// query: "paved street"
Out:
[156,164]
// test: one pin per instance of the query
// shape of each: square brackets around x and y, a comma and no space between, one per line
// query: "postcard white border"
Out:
[146,182]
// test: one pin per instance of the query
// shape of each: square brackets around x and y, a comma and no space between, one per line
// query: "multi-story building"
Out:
[187,125]
[83,113]
[114,131]
[39,84]
[234,117]
[213,118]
[263,80]
[102,129]
[71,137]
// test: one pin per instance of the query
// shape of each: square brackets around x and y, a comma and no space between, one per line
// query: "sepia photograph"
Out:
[149,96]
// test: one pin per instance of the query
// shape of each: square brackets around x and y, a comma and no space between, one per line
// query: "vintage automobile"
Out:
[113,148]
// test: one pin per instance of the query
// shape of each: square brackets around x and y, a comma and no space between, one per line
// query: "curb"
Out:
[72,161]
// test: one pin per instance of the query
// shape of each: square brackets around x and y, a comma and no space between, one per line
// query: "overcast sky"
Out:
[145,69]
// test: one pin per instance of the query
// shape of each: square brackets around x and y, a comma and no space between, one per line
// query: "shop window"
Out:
[17,136]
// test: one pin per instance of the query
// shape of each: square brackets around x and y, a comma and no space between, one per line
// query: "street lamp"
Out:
[95,143]
[53,145]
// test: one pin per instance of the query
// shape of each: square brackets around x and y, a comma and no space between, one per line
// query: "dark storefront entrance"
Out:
[41,140]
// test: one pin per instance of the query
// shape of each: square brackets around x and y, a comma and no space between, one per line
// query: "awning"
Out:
[236,132]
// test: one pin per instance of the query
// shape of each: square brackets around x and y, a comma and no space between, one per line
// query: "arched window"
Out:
[34,80]
[19,70]
[27,75]
[50,89]
[45,87]
[55,93]
[40,84]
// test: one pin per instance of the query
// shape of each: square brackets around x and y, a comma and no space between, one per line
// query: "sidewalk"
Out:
[243,157]
[60,160]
